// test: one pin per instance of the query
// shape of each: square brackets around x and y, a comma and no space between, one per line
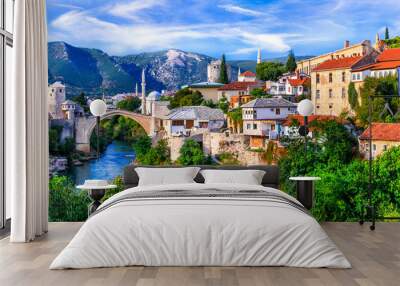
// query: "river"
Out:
[110,164]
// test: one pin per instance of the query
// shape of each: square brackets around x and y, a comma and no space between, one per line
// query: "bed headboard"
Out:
[270,179]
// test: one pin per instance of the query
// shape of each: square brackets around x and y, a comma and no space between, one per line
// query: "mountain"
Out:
[94,72]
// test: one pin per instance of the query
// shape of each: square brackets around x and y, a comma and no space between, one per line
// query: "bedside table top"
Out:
[304,178]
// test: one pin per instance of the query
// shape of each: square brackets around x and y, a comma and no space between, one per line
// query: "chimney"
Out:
[346,43]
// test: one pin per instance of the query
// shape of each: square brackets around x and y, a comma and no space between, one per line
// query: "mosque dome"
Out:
[154,95]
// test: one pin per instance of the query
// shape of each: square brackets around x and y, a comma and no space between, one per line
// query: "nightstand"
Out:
[305,190]
[96,190]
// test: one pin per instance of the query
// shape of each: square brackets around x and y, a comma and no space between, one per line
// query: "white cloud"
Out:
[240,10]
[78,27]
[129,9]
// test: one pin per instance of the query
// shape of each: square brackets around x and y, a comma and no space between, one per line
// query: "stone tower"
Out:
[143,92]
[238,74]
[259,56]
[56,97]
[214,69]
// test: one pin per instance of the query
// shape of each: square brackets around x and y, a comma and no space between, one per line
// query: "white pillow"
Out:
[247,177]
[166,176]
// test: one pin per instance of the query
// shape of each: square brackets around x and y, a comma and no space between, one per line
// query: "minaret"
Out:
[239,74]
[136,90]
[377,41]
[259,56]
[143,92]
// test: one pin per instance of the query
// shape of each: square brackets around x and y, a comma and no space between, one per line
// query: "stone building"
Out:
[209,90]
[56,97]
[214,69]
[384,136]
[263,119]
[356,50]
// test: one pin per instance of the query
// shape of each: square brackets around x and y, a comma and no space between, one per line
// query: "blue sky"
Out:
[236,28]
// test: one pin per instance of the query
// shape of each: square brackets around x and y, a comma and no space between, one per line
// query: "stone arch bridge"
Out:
[84,126]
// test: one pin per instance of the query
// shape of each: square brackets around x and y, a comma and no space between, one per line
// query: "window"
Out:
[343,92]
[343,76]
[248,126]
[384,147]
[278,111]
[317,78]
[374,147]
[330,105]
[354,76]
[358,76]
[6,44]
[330,93]
[254,126]
[330,77]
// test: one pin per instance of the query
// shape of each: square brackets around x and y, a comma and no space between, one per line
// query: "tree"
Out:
[81,100]
[186,97]
[291,62]
[130,104]
[191,153]
[209,103]
[53,140]
[270,70]
[387,37]
[377,86]
[353,96]
[223,75]
[142,146]
[258,92]
[65,202]
[223,104]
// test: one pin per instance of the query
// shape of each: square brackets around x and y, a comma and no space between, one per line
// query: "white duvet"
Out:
[202,232]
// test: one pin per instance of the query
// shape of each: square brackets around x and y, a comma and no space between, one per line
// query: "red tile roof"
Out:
[389,55]
[311,118]
[341,63]
[300,81]
[386,65]
[383,131]
[238,85]
[248,74]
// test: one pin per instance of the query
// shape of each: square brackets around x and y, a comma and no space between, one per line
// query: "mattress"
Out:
[201,225]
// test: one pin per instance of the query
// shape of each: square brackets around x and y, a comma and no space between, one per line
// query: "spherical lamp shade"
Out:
[98,107]
[305,107]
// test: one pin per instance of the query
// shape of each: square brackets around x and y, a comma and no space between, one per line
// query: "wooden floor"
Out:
[375,257]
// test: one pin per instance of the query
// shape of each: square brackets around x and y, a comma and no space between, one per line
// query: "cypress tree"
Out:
[223,74]
[291,62]
[387,34]
[352,96]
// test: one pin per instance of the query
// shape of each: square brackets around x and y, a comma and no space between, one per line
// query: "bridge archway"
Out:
[84,126]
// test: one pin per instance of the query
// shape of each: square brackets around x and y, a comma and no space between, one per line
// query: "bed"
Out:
[201,224]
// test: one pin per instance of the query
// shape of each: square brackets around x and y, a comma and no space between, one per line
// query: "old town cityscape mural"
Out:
[220,85]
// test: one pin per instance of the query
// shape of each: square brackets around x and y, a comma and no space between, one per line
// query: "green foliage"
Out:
[291,62]
[387,37]
[342,191]
[377,86]
[191,153]
[82,101]
[223,75]
[65,202]
[142,146]
[270,70]
[236,115]
[223,104]
[147,155]
[228,158]
[393,42]
[53,140]
[209,103]
[186,97]
[258,93]
[129,104]
[352,96]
